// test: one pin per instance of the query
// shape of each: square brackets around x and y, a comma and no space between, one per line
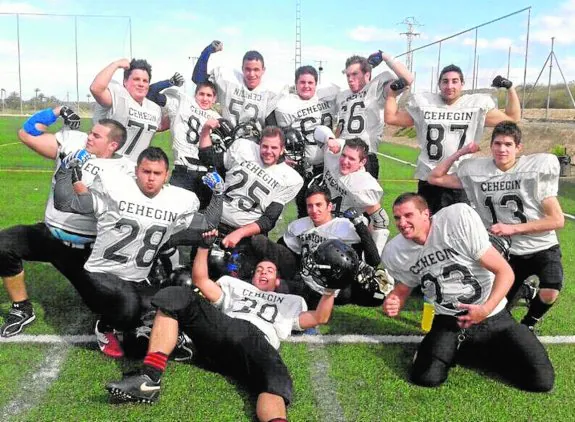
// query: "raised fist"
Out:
[375,59]
[215,182]
[501,82]
[71,119]
[352,215]
[398,84]
[76,159]
[217,45]
[177,79]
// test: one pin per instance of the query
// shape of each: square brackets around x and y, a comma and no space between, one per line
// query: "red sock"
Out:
[156,360]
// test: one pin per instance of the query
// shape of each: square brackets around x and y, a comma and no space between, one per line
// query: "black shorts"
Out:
[438,197]
[191,180]
[372,165]
[235,346]
[546,265]
[499,344]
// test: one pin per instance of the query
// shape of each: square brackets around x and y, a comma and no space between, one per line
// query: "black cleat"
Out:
[16,320]
[135,388]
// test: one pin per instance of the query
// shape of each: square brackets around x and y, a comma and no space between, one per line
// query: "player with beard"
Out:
[63,239]
[446,122]
[515,197]
[127,103]
[451,258]
[135,219]
[303,111]
[359,108]
[242,95]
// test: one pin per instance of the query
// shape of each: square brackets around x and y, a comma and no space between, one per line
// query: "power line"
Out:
[410,35]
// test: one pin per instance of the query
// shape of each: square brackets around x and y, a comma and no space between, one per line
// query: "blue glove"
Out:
[45,117]
[215,182]
[352,215]
[375,59]
[75,159]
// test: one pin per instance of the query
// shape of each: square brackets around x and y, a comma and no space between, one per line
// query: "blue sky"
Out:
[167,33]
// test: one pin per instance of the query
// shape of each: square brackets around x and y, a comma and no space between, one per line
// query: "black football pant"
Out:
[499,344]
[191,180]
[36,243]
[438,197]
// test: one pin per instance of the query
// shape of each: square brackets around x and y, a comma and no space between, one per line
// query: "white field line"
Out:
[309,339]
[11,143]
[323,387]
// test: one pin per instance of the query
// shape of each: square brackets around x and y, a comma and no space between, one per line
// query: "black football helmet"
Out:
[251,129]
[295,145]
[333,264]
[181,276]
[222,136]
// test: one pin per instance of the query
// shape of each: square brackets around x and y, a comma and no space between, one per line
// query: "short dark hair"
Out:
[138,64]
[417,199]
[306,70]
[272,132]
[507,128]
[153,154]
[362,61]
[451,68]
[208,84]
[118,132]
[316,189]
[359,145]
[253,55]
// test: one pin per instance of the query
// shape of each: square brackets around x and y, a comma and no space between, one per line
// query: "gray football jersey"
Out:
[302,236]
[513,197]
[443,129]
[447,266]
[141,121]
[360,115]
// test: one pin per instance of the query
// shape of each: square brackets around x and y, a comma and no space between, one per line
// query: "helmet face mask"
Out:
[251,129]
[332,265]
[294,145]
[222,136]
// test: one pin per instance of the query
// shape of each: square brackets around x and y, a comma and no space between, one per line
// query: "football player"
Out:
[303,112]
[359,108]
[236,326]
[63,239]
[445,122]
[127,103]
[305,235]
[185,116]
[242,95]
[351,186]
[258,182]
[517,197]
[451,258]
[136,217]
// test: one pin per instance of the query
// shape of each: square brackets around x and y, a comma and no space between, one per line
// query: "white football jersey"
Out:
[71,141]
[239,104]
[186,122]
[443,129]
[447,266]
[513,197]
[302,236]
[141,121]
[305,115]
[275,314]
[360,115]
[251,186]
[132,227]
[354,190]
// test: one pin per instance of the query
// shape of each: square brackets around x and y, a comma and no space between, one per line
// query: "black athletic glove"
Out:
[501,82]
[398,84]
[217,46]
[71,119]
[375,59]
[177,79]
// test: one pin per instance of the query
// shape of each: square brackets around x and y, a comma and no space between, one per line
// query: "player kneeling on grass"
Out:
[136,217]
[451,258]
[238,326]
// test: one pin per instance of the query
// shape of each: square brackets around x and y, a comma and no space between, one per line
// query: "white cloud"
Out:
[558,25]
[18,7]
[230,30]
[501,43]
[8,48]
[371,33]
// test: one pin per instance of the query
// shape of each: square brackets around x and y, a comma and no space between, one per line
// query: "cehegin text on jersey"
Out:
[502,185]
[261,173]
[312,109]
[240,92]
[143,210]
[138,114]
[328,177]
[433,258]
[270,297]
[448,115]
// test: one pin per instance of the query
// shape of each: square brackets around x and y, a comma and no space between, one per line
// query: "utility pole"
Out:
[411,22]
[297,58]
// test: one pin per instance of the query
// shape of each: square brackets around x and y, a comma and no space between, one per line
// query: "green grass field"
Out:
[351,382]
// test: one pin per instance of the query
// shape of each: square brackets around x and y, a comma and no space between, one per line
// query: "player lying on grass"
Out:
[515,197]
[451,258]
[237,326]
[136,217]
[64,239]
